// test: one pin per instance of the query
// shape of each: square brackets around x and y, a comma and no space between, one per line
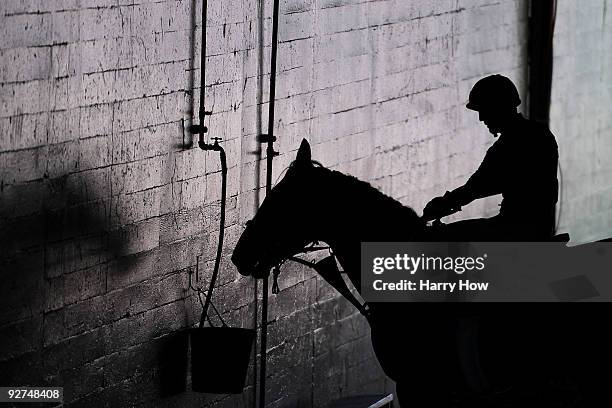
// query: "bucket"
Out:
[220,359]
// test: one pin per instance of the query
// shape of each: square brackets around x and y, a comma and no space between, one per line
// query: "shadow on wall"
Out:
[55,239]
[187,141]
[58,239]
[66,257]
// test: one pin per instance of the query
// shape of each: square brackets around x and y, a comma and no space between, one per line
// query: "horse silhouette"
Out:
[428,349]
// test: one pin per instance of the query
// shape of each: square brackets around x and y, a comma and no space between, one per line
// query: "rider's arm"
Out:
[486,181]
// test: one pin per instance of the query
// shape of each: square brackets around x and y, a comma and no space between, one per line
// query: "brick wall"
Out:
[581,116]
[104,211]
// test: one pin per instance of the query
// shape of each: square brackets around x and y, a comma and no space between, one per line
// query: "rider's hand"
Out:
[439,207]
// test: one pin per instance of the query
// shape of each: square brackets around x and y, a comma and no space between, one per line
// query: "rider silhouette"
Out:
[521,165]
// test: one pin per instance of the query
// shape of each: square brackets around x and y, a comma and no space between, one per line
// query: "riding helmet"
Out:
[493,91]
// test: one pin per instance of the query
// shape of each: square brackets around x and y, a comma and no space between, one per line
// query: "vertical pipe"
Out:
[189,92]
[542,15]
[263,344]
[259,126]
[202,112]
[269,158]
[270,148]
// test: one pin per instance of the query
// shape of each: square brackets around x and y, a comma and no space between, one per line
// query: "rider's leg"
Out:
[468,353]
[499,228]
[410,395]
[526,227]
[473,230]
[433,376]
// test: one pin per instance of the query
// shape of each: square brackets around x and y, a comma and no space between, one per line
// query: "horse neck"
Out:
[357,212]
[354,210]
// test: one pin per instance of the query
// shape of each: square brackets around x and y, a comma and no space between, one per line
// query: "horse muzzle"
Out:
[255,268]
[244,267]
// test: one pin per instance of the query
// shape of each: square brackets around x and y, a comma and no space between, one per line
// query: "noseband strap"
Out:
[327,268]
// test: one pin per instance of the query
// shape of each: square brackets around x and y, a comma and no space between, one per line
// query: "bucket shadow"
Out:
[172,358]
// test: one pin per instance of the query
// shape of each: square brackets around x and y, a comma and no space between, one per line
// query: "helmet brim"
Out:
[472,106]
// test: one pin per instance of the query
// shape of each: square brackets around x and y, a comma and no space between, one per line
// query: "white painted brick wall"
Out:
[581,117]
[103,211]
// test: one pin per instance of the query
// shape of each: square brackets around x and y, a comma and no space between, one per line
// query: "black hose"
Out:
[213,279]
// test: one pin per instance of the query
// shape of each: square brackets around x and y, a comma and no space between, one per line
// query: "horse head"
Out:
[312,204]
[282,226]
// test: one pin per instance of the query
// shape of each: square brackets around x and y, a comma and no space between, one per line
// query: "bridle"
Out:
[310,247]
[327,268]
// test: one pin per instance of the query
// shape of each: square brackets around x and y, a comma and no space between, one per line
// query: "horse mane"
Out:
[370,197]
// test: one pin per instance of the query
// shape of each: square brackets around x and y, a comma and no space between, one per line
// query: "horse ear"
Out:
[304,155]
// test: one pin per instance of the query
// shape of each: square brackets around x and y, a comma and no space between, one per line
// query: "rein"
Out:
[327,268]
